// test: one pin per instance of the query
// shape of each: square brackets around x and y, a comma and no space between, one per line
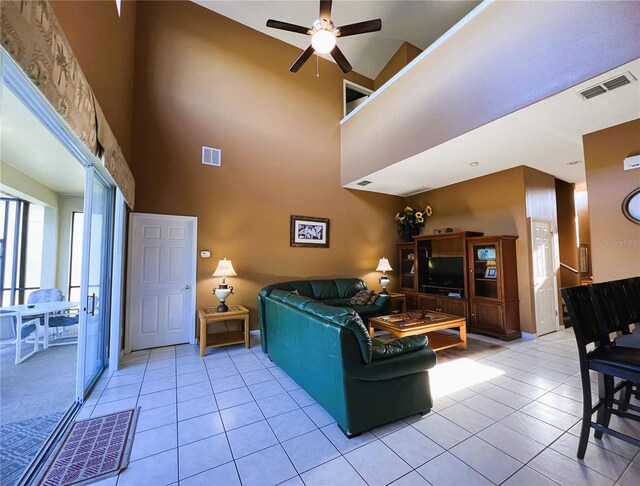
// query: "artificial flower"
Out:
[410,218]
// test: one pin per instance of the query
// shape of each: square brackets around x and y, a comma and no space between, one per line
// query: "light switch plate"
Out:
[205,254]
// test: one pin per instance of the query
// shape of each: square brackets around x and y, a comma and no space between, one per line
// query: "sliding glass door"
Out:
[95,280]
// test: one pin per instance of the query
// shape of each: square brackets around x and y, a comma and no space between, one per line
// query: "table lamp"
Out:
[224,270]
[383,266]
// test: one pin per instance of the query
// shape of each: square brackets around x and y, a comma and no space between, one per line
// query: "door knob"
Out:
[187,287]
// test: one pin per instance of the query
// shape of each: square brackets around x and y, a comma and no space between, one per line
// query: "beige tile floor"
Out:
[234,417]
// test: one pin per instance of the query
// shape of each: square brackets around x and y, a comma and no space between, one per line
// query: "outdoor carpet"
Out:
[93,449]
[20,442]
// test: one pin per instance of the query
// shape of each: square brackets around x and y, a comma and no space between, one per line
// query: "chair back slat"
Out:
[583,317]
[610,305]
[632,289]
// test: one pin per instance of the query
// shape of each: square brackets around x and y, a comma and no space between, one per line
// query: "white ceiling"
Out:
[420,22]
[28,145]
[546,136]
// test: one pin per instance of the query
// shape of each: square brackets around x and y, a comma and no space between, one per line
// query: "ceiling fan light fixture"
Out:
[323,41]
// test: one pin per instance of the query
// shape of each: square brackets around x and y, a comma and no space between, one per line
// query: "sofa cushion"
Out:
[365,311]
[303,287]
[348,287]
[382,348]
[361,298]
[290,298]
[323,289]
[346,318]
[336,302]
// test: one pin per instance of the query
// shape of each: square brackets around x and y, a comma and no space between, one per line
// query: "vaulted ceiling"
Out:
[419,22]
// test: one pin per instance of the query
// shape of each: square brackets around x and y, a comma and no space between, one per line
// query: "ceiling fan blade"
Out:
[337,54]
[277,24]
[302,59]
[360,28]
[325,9]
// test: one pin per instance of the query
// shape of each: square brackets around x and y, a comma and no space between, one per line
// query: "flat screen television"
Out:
[445,272]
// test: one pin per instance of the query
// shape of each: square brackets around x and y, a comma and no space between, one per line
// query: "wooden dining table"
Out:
[44,308]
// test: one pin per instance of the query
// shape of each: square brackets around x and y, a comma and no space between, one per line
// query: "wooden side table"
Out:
[401,298]
[208,315]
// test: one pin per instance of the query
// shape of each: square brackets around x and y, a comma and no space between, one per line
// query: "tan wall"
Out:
[104,46]
[615,240]
[567,235]
[489,68]
[202,79]
[582,211]
[403,56]
[495,205]
[19,184]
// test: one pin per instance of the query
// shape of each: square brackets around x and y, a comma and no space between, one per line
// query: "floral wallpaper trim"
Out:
[31,34]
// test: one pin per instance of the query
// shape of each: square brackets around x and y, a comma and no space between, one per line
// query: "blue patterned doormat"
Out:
[91,450]
[20,442]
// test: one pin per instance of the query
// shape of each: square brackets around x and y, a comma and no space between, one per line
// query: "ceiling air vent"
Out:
[211,156]
[616,82]
[608,85]
[587,94]
[364,183]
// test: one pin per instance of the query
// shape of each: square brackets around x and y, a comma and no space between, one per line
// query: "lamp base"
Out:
[384,281]
[222,292]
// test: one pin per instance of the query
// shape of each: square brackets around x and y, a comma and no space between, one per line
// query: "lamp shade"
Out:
[224,269]
[383,266]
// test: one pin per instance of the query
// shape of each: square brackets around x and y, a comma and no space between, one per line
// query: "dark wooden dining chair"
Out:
[607,359]
[618,309]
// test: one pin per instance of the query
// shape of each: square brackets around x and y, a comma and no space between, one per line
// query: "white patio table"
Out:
[44,308]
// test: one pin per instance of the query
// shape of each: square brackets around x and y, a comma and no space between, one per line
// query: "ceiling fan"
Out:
[323,34]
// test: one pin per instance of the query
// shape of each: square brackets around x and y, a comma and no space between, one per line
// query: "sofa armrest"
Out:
[383,349]
[388,369]
[383,302]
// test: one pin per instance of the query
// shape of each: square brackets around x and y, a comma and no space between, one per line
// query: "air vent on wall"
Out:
[364,183]
[608,85]
[211,156]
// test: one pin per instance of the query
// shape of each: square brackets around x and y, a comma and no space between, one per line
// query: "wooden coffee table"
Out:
[401,325]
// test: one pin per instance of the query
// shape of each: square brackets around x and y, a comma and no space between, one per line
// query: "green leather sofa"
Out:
[335,292]
[362,383]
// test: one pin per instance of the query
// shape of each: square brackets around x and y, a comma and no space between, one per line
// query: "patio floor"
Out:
[34,396]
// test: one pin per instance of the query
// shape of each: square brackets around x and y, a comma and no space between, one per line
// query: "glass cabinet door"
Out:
[485,270]
[407,268]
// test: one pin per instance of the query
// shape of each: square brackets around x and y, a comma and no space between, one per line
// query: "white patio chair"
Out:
[58,322]
[24,329]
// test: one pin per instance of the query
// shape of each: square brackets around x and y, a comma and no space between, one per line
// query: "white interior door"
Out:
[545,289]
[162,280]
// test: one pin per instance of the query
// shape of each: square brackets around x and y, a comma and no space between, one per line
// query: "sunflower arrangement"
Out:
[410,221]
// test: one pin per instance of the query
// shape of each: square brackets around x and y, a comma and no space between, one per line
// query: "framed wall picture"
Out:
[584,266]
[309,231]
[490,272]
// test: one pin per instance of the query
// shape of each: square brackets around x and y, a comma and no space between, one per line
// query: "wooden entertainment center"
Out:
[464,274]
